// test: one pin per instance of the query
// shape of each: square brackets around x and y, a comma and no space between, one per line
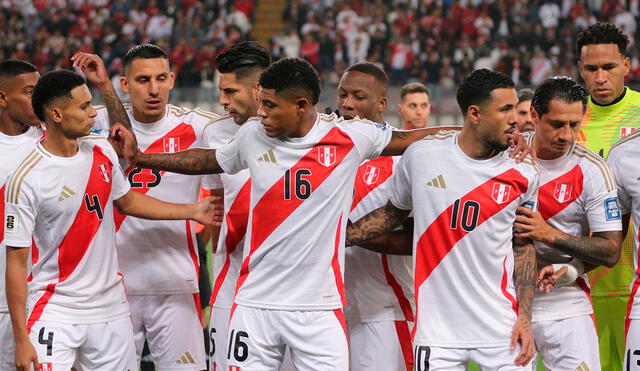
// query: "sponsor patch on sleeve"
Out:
[11,223]
[612,209]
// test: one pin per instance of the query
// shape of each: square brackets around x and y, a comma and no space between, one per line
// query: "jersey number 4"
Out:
[297,184]
[468,221]
[93,205]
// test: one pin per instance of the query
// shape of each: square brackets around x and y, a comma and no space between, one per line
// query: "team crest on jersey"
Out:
[171,144]
[327,155]
[105,172]
[371,174]
[46,367]
[626,131]
[562,192]
[500,192]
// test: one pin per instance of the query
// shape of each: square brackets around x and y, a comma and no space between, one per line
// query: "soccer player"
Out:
[379,292]
[162,284]
[302,166]
[577,223]
[62,197]
[623,160]
[464,192]
[414,107]
[523,111]
[19,131]
[611,114]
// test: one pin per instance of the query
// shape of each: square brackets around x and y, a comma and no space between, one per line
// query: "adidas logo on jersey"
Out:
[66,193]
[437,182]
[186,359]
[268,157]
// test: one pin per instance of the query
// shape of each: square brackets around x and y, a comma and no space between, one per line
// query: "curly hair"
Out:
[562,88]
[292,74]
[243,59]
[602,33]
[477,87]
[51,86]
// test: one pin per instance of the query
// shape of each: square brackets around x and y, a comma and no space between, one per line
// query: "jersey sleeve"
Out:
[616,165]
[530,198]
[601,203]
[401,187]
[20,217]
[230,157]
[370,139]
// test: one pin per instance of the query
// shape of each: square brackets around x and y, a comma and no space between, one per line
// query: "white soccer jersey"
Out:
[577,195]
[66,205]
[625,165]
[237,192]
[160,257]
[301,192]
[379,287]
[464,212]
[13,149]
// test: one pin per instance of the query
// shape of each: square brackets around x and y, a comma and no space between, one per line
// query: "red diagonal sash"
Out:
[548,203]
[82,231]
[237,218]
[186,137]
[439,238]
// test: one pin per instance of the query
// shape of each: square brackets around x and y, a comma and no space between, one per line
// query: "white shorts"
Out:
[7,344]
[219,338]
[381,345]
[258,339]
[452,359]
[632,346]
[568,344]
[172,327]
[98,346]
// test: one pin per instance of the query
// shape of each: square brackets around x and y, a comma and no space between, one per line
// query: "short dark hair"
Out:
[244,59]
[11,68]
[412,88]
[562,88]
[602,33]
[53,85]
[477,87]
[292,74]
[524,95]
[144,51]
[371,69]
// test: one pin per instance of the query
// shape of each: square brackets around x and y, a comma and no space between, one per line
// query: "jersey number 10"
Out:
[470,214]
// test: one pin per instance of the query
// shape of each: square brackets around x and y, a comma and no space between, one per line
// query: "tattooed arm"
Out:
[602,248]
[93,68]
[402,139]
[375,224]
[191,162]
[524,275]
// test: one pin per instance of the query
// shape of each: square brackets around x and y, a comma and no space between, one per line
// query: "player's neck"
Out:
[11,127]
[58,144]
[474,147]
[307,124]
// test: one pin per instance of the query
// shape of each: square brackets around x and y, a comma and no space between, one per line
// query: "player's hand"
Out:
[209,211]
[124,143]
[522,334]
[530,224]
[547,278]
[93,68]
[26,356]
[520,149]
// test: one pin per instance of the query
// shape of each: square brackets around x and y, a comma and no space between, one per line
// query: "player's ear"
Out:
[302,104]
[124,84]
[534,116]
[382,104]
[255,90]
[172,80]
[3,99]
[54,114]
[473,113]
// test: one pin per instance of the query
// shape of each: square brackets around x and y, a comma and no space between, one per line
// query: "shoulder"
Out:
[526,167]
[629,143]
[23,176]
[100,139]
[594,165]
[193,116]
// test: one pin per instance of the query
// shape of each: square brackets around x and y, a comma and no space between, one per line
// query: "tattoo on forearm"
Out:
[596,250]
[524,276]
[191,162]
[375,224]
[115,109]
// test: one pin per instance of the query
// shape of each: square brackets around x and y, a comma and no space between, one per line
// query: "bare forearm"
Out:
[191,162]
[116,111]
[596,249]
[145,207]
[524,276]
[375,224]
[394,243]
[402,139]
[16,287]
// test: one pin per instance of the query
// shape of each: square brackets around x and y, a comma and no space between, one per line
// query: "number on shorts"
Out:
[422,358]
[212,349]
[48,341]
[240,348]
